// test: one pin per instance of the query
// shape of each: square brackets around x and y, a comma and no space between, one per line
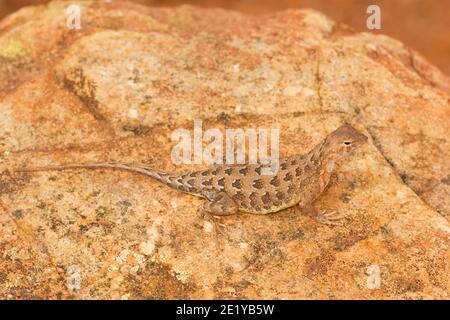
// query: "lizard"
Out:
[232,188]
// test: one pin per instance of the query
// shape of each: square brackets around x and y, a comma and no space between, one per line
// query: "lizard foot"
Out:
[212,219]
[331,218]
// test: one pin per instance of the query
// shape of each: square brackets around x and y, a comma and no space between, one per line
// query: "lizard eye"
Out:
[347,143]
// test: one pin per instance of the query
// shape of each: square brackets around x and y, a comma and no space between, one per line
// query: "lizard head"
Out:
[342,141]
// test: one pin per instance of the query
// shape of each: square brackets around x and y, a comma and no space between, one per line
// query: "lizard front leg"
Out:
[306,205]
[329,218]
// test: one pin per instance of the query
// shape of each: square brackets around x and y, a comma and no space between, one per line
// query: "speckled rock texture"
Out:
[117,88]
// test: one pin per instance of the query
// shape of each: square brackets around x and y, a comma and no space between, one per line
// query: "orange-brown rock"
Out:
[117,88]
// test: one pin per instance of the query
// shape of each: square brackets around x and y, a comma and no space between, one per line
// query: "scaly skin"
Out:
[228,189]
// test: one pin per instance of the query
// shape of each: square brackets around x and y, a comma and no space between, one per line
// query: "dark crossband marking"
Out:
[244,170]
[238,197]
[258,184]
[253,199]
[237,184]
[288,177]
[207,182]
[280,195]
[291,189]
[275,181]
[266,198]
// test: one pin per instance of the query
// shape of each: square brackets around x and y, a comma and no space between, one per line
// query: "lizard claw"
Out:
[331,218]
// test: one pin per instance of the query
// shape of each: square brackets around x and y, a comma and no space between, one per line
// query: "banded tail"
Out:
[170,179]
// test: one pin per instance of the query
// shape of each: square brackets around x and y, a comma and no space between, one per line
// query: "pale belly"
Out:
[272,209]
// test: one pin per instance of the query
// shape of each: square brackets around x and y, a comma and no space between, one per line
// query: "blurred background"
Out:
[423,25]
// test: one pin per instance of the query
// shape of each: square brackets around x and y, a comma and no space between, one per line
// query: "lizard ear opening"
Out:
[347,143]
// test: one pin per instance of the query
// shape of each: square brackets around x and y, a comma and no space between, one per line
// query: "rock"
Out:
[115,91]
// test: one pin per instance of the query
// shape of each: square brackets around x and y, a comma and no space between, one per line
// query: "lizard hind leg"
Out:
[218,204]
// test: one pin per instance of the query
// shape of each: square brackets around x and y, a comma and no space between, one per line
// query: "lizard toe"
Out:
[330,218]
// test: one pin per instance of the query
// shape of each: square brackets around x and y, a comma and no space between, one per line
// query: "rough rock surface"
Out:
[115,91]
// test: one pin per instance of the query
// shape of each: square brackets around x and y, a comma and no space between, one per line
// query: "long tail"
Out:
[169,179]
